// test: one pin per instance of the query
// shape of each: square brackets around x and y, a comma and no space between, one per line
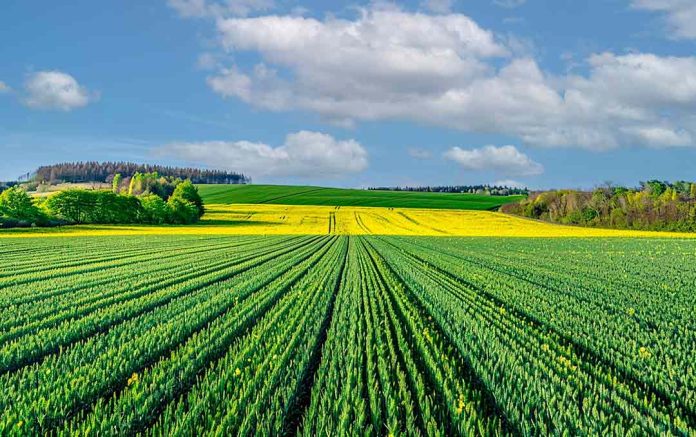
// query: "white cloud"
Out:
[304,153]
[384,60]
[438,6]
[509,4]
[642,79]
[506,160]
[509,183]
[230,82]
[419,153]
[661,137]
[4,88]
[204,8]
[680,15]
[445,70]
[382,45]
[55,90]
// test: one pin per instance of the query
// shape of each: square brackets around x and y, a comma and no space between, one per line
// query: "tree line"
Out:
[80,172]
[491,190]
[149,201]
[654,205]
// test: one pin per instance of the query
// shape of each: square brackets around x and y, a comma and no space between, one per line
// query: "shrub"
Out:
[188,192]
[16,204]
[155,210]
[89,206]
[182,211]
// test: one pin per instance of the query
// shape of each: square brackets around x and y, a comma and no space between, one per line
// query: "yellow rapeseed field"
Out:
[321,220]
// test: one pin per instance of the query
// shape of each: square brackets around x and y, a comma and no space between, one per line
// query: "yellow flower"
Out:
[133,379]
[644,353]
[460,404]
[567,363]
[237,372]
[631,312]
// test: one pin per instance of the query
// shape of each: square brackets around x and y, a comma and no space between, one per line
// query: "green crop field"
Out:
[301,195]
[347,335]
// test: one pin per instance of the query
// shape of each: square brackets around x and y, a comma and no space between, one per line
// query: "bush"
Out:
[155,210]
[188,192]
[182,211]
[16,204]
[116,208]
[80,206]
[74,205]
[88,206]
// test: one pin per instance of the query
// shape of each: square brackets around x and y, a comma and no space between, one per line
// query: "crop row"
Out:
[334,335]
[542,380]
[645,333]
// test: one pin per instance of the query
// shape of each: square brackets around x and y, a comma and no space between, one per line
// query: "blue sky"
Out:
[554,93]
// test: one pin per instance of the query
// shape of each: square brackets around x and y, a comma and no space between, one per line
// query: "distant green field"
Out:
[304,195]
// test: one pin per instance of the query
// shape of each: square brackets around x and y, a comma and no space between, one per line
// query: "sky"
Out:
[536,93]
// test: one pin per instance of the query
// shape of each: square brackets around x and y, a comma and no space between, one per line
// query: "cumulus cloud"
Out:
[680,15]
[662,137]
[445,70]
[204,8]
[364,69]
[303,153]
[506,160]
[55,90]
[383,51]
[4,88]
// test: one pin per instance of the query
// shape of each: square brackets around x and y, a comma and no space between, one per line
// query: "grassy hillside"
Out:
[303,195]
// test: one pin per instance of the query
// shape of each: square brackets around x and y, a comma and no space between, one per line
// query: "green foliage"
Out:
[187,192]
[94,206]
[182,211]
[681,187]
[305,195]
[152,183]
[71,205]
[155,210]
[655,187]
[16,204]
[135,185]
[115,208]
[80,206]
[116,183]
[656,206]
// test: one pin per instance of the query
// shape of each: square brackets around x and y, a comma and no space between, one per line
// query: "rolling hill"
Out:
[307,195]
